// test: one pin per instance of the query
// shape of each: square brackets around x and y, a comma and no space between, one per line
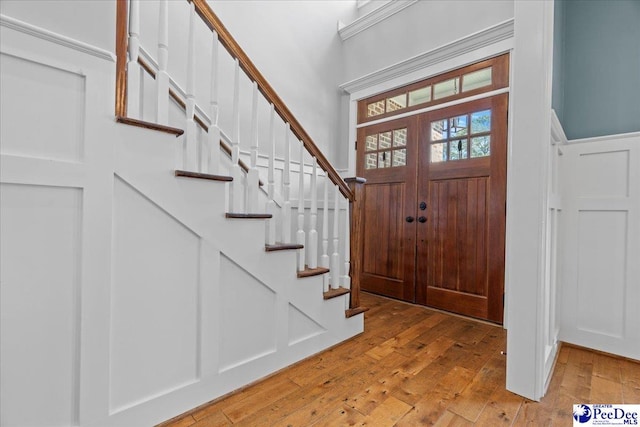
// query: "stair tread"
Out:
[332,293]
[282,247]
[308,272]
[248,215]
[355,311]
[149,125]
[199,175]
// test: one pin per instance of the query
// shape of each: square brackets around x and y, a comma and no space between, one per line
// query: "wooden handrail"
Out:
[234,49]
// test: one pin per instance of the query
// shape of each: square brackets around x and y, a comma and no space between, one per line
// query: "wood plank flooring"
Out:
[414,366]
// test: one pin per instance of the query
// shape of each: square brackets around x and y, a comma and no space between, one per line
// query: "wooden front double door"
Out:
[434,207]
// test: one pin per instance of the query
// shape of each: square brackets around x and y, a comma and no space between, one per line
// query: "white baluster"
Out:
[335,256]
[214,129]
[236,195]
[133,68]
[286,190]
[300,236]
[190,153]
[312,251]
[162,78]
[346,279]
[252,175]
[324,259]
[271,186]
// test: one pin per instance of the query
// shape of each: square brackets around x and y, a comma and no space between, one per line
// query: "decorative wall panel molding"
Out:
[41,33]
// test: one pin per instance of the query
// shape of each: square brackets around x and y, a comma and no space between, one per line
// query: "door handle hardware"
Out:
[423,206]
[409,219]
[422,219]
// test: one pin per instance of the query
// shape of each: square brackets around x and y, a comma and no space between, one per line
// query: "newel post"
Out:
[356,208]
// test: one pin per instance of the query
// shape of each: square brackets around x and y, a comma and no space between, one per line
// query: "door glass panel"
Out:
[458,126]
[480,146]
[375,109]
[400,157]
[384,159]
[384,140]
[371,161]
[446,88]
[420,96]
[458,149]
[400,138]
[372,143]
[476,79]
[481,121]
[439,130]
[439,152]
[397,102]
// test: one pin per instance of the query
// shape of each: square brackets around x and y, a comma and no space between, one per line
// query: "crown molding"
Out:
[50,36]
[488,36]
[372,18]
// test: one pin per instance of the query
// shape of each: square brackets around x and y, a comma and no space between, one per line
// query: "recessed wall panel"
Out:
[248,316]
[154,301]
[40,260]
[604,174]
[43,110]
[602,264]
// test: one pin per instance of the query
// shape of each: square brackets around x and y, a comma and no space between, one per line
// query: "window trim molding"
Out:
[374,17]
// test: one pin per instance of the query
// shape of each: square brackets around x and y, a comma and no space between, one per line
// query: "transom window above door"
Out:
[484,76]
[466,136]
[386,149]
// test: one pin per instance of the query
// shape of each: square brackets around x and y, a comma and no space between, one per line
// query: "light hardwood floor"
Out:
[414,366]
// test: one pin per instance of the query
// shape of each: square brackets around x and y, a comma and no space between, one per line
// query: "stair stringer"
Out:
[144,160]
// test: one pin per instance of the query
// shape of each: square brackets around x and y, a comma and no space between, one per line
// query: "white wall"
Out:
[295,45]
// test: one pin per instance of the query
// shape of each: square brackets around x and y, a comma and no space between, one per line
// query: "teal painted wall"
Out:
[596,87]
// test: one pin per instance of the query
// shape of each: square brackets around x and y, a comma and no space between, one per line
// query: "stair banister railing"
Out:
[229,43]
[253,176]
[162,78]
[133,68]
[286,187]
[271,185]
[214,130]
[324,258]
[203,156]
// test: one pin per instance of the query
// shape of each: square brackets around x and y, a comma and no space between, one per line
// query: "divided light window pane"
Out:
[419,96]
[397,102]
[375,108]
[400,137]
[372,143]
[446,88]
[476,79]
[384,140]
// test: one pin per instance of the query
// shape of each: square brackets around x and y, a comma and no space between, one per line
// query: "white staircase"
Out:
[128,296]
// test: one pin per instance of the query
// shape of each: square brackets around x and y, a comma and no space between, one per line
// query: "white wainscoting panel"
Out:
[601,273]
[40,304]
[154,302]
[301,326]
[250,306]
[602,258]
[43,110]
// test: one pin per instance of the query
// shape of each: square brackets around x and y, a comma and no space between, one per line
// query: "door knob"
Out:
[422,219]
[409,219]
